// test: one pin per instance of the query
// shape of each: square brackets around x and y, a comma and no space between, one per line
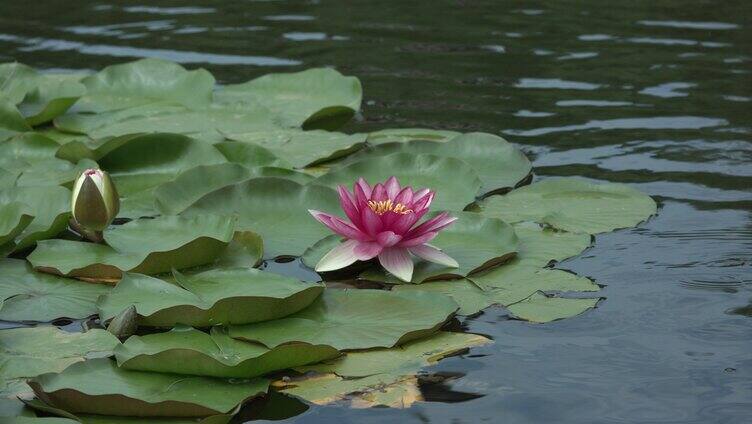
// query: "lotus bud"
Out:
[95,202]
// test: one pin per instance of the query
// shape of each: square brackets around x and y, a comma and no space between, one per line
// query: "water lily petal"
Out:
[397,261]
[392,187]
[363,184]
[433,254]
[422,203]
[403,223]
[370,223]
[405,196]
[339,226]
[417,241]
[379,193]
[366,250]
[339,257]
[388,238]
[362,195]
[434,224]
[347,201]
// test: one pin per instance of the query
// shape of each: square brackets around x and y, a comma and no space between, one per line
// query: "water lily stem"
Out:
[93,236]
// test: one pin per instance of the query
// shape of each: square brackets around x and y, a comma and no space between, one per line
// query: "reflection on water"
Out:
[654,95]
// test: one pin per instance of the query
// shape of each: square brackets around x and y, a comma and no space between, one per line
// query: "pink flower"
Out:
[382,224]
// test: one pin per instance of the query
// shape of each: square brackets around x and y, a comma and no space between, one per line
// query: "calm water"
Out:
[654,94]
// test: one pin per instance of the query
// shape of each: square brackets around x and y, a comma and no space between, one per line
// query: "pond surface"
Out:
[654,94]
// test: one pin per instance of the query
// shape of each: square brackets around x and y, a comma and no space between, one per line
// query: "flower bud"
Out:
[95,202]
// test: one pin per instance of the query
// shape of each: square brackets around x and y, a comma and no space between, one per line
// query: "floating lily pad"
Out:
[474,241]
[35,296]
[246,249]
[16,79]
[150,246]
[302,148]
[395,391]
[25,149]
[418,171]
[219,296]
[250,155]
[79,389]
[541,308]
[573,204]
[146,81]
[11,120]
[52,96]
[313,99]
[402,135]
[276,209]
[13,219]
[175,196]
[185,350]
[31,351]
[405,359]
[355,319]
[498,163]
[50,206]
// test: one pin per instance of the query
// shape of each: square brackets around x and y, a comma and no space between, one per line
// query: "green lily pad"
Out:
[149,246]
[36,420]
[418,171]
[313,254]
[313,99]
[79,389]
[218,296]
[405,359]
[16,79]
[541,308]
[13,220]
[35,296]
[573,204]
[11,120]
[274,208]
[144,162]
[190,351]
[402,135]
[499,164]
[208,124]
[477,243]
[355,319]
[50,206]
[177,195]
[246,249]
[25,149]
[302,148]
[146,81]
[31,351]
[52,96]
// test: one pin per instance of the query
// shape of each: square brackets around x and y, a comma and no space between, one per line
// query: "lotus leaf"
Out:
[35,296]
[313,99]
[218,296]
[401,135]
[185,350]
[50,206]
[405,359]
[396,391]
[24,149]
[246,249]
[51,97]
[146,81]
[13,220]
[302,148]
[79,389]
[31,351]
[541,308]
[418,171]
[573,204]
[148,246]
[16,79]
[274,208]
[11,120]
[175,196]
[355,319]
[498,163]
[251,155]
[474,241]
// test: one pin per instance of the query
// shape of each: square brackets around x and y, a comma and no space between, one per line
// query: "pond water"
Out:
[654,94]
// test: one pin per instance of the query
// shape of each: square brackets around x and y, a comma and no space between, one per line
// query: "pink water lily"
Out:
[382,224]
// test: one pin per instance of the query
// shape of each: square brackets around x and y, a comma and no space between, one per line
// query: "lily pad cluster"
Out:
[215,185]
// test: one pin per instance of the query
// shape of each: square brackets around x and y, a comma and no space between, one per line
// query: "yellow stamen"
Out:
[384,206]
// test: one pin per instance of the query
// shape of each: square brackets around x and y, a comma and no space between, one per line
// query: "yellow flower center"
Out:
[385,206]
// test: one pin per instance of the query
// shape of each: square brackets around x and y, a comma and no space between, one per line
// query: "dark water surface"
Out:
[657,94]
